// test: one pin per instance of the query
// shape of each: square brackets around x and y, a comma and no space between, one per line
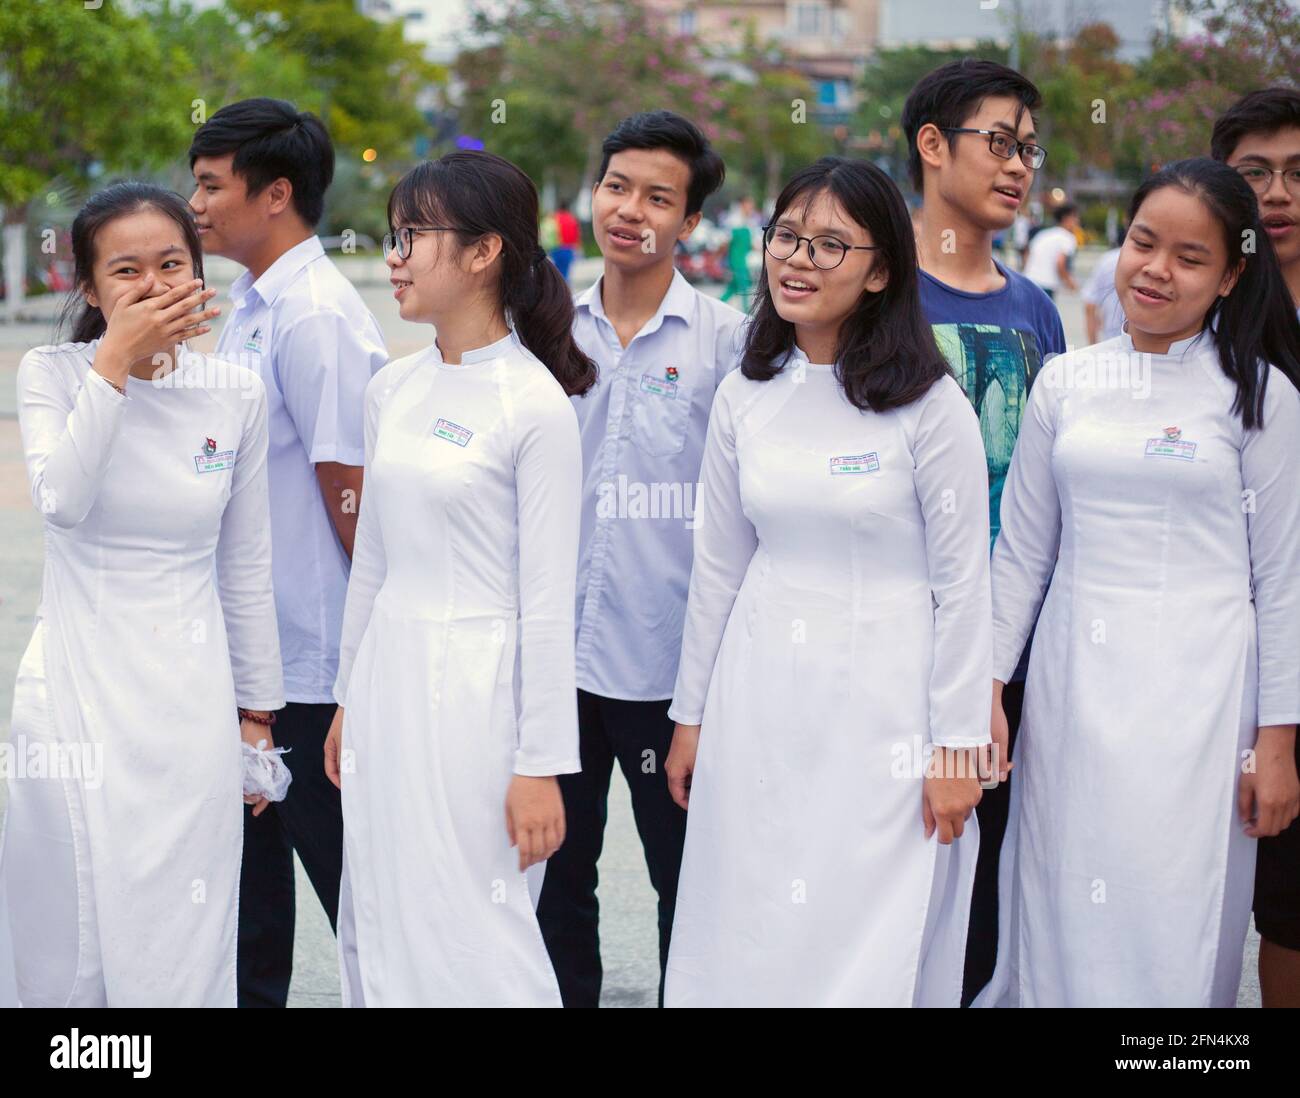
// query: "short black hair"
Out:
[952,93]
[271,139]
[1265,111]
[680,136]
[1064,210]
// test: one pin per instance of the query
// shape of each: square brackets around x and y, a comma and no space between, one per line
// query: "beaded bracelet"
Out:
[257,718]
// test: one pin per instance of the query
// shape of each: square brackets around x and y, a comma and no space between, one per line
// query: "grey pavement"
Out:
[628,928]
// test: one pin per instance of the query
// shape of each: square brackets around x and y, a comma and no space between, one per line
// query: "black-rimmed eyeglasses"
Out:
[400,239]
[1005,146]
[826,252]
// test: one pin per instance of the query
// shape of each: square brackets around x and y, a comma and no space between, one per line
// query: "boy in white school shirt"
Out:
[662,348]
[261,169]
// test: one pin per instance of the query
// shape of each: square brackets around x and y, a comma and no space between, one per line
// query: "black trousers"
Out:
[308,820]
[638,735]
[1277,884]
[982,937]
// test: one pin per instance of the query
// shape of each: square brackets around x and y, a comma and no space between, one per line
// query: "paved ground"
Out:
[628,919]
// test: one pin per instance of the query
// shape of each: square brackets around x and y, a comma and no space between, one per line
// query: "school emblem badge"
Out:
[671,373]
[209,460]
[1173,434]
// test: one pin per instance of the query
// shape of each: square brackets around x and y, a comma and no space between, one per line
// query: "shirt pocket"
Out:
[661,412]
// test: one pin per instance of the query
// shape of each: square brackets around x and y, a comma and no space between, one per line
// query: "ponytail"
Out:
[540,306]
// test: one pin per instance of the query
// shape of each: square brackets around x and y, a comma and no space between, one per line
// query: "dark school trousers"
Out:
[638,735]
[308,820]
[982,937]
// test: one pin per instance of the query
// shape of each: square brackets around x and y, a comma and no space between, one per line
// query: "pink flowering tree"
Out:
[1170,107]
[543,81]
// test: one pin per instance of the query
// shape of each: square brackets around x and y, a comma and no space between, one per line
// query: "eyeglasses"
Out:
[400,240]
[782,243]
[1005,146]
[1260,179]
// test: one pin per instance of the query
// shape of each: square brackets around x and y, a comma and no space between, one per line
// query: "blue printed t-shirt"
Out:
[995,343]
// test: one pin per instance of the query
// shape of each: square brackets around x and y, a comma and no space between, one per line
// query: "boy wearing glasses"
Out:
[261,169]
[662,348]
[972,155]
[1260,137]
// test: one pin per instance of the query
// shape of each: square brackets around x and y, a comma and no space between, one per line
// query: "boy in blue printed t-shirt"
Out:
[972,154]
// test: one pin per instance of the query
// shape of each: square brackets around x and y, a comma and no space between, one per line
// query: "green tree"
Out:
[81,89]
[369,79]
[771,121]
[1082,121]
[545,80]
[360,76]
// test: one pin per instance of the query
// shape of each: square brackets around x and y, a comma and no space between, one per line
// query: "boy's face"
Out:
[231,223]
[638,209]
[1279,209]
[969,177]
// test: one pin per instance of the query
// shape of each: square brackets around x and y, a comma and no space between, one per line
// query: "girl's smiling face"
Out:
[137,244]
[811,297]
[1172,267]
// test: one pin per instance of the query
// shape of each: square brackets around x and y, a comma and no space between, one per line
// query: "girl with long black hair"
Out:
[829,698]
[148,464]
[1152,512]
[456,671]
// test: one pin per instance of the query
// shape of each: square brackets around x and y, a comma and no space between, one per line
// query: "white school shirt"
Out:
[1044,250]
[304,328]
[643,426]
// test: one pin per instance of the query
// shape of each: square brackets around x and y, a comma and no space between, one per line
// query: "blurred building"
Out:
[829,39]
[959,24]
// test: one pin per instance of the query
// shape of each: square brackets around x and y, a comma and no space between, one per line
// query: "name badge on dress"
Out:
[665,386]
[212,461]
[855,463]
[453,432]
[1171,446]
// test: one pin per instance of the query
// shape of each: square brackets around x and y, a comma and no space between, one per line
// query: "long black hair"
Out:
[886,355]
[1256,323]
[479,193]
[118,200]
